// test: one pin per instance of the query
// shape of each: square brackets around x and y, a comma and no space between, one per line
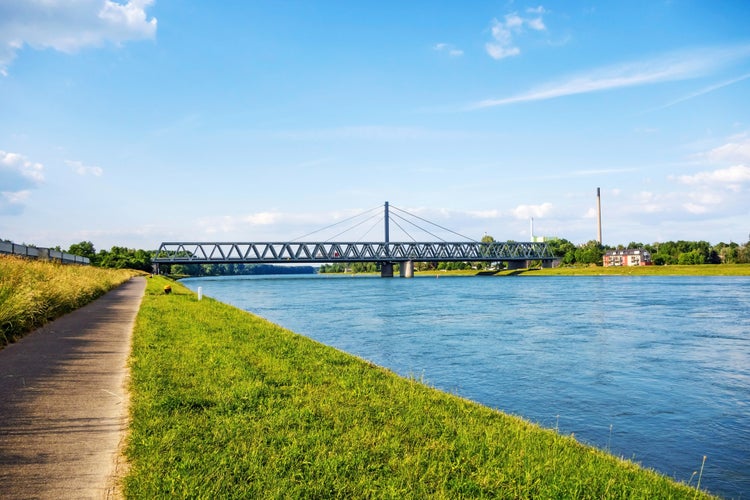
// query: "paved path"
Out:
[63,401]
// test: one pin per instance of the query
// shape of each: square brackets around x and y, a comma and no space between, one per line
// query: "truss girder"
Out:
[324,252]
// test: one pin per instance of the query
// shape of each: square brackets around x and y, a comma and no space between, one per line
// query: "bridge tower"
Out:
[386,268]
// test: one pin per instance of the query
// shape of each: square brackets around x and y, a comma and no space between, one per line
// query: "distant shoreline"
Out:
[670,270]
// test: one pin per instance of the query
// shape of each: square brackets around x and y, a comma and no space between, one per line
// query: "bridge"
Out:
[386,253]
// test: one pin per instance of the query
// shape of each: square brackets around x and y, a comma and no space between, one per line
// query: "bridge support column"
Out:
[386,270]
[407,269]
[516,264]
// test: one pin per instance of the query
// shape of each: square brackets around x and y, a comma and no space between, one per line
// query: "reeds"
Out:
[35,292]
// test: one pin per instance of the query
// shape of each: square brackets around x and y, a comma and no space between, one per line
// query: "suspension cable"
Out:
[353,227]
[418,227]
[336,223]
[401,228]
[437,225]
[368,231]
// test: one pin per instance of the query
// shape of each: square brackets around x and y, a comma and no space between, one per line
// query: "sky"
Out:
[130,123]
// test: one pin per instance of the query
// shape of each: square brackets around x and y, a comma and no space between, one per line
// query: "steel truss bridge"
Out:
[385,254]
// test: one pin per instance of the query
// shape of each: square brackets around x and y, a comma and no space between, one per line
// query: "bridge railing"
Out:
[317,252]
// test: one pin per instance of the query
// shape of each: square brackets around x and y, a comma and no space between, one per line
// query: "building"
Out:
[630,257]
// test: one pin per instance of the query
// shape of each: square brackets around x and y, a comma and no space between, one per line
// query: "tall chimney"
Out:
[531,230]
[599,215]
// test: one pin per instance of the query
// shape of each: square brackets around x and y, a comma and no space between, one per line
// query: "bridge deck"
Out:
[312,252]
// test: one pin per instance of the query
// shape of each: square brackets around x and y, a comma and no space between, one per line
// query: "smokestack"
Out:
[599,215]
[531,230]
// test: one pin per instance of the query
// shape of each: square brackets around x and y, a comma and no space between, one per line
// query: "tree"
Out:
[83,249]
[590,253]
[691,257]
[562,249]
[124,258]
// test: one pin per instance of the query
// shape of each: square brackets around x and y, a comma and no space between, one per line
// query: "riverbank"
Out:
[692,270]
[228,404]
[34,292]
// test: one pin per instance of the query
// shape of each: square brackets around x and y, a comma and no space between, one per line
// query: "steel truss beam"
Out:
[274,253]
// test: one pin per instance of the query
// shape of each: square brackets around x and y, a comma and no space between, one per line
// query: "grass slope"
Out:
[692,270]
[228,405]
[34,292]
[695,270]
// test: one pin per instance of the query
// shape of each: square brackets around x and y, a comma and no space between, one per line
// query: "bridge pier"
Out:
[407,269]
[515,264]
[386,270]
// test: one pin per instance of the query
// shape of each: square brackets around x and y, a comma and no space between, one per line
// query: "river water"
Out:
[654,369]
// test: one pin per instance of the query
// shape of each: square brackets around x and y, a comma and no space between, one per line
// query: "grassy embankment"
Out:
[228,405]
[694,270]
[35,292]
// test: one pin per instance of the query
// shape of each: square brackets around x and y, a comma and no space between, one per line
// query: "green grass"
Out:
[693,270]
[34,292]
[227,405]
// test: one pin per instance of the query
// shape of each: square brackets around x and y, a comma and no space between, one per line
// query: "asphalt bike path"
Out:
[64,401]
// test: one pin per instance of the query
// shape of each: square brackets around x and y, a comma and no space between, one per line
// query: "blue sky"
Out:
[138,122]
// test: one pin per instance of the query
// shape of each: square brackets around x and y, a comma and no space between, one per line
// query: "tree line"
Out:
[592,253]
[679,252]
[667,253]
[130,258]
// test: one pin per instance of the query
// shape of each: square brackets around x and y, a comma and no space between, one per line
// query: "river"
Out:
[654,369]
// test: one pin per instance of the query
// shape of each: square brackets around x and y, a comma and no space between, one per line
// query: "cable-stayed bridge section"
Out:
[384,253]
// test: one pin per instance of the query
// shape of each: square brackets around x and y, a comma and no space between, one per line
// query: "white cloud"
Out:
[262,218]
[12,203]
[16,197]
[643,202]
[731,177]
[504,32]
[18,175]
[16,169]
[694,208]
[669,67]
[737,150]
[449,49]
[499,52]
[68,26]
[526,211]
[81,169]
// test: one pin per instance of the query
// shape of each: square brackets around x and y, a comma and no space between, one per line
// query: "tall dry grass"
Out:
[35,292]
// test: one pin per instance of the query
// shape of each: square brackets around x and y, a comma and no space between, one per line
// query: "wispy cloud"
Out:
[81,169]
[731,176]
[70,26]
[703,91]
[669,67]
[18,175]
[503,42]
[369,133]
[449,49]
